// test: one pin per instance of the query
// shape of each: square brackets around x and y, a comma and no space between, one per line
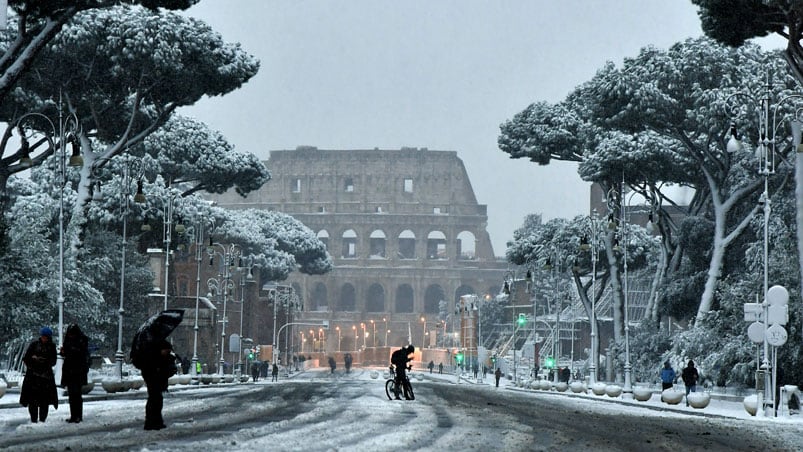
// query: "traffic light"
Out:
[251,354]
[522,320]
[549,362]
[493,359]
[459,357]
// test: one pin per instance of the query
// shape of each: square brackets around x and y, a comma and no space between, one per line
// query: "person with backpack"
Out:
[690,377]
[667,376]
[74,370]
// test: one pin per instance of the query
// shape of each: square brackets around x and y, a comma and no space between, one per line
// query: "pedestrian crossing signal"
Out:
[522,320]
[251,354]
[549,362]
[459,357]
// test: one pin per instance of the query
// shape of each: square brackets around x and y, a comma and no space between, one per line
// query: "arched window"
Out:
[407,245]
[436,245]
[377,244]
[466,246]
[323,236]
[404,298]
[349,244]
[432,298]
[318,299]
[348,298]
[375,301]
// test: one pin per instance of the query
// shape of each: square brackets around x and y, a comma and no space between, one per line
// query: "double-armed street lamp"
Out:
[591,241]
[222,284]
[245,265]
[68,130]
[197,231]
[765,153]
[125,196]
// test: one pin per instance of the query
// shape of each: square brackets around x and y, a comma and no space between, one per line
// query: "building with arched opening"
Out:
[406,235]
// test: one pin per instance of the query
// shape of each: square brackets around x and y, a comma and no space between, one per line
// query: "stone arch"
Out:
[407,244]
[404,299]
[377,244]
[318,299]
[375,301]
[432,297]
[349,250]
[466,246]
[436,245]
[348,298]
[323,236]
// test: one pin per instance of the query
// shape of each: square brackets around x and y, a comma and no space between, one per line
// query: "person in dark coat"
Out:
[158,364]
[497,376]
[74,369]
[690,377]
[431,366]
[39,385]
[255,371]
[274,372]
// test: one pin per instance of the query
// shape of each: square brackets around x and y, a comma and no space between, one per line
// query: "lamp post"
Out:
[125,193]
[337,328]
[423,331]
[593,234]
[247,264]
[373,326]
[385,319]
[362,325]
[198,235]
[765,156]
[223,283]
[68,130]
[509,289]
[354,328]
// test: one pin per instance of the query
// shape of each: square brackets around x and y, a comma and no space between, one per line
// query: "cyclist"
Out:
[399,359]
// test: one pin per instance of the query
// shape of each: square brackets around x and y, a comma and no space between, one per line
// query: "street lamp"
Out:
[508,288]
[387,331]
[354,328]
[593,233]
[766,167]
[423,331]
[362,325]
[321,340]
[125,193]
[198,236]
[69,129]
[244,265]
[337,328]
[222,284]
[373,326]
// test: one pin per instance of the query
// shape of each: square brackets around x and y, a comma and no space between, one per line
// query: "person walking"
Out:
[158,365]
[431,366]
[440,368]
[255,371]
[39,385]
[690,377]
[274,372]
[497,376]
[74,370]
[667,376]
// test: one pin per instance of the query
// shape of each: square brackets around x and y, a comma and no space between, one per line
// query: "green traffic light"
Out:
[459,357]
[522,320]
[549,362]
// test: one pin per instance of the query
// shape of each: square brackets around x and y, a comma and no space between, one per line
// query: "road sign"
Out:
[756,332]
[752,312]
[776,335]
[777,314]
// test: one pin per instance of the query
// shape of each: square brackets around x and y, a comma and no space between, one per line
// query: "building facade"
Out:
[406,235]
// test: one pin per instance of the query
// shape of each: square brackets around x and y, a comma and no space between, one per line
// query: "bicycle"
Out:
[392,391]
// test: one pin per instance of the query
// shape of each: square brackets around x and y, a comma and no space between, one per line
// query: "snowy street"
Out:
[315,411]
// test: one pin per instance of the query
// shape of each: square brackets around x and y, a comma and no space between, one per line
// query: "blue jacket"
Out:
[668,375]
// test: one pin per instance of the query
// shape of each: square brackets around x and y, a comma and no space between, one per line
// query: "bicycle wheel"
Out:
[390,389]
[408,390]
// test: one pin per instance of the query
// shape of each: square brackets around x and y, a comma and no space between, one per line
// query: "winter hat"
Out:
[46,331]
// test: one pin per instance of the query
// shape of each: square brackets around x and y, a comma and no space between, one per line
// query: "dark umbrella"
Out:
[154,330]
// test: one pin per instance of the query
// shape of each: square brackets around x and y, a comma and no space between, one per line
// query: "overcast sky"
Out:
[444,75]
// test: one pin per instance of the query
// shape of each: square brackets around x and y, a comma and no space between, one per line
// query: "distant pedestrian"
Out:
[667,376]
[690,377]
[497,376]
[39,385]
[440,368]
[332,364]
[431,366]
[274,372]
[476,369]
[74,370]
[255,371]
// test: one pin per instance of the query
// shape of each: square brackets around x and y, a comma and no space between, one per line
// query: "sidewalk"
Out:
[721,405]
